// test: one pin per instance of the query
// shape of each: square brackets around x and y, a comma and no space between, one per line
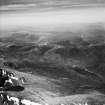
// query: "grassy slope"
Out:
[41,89]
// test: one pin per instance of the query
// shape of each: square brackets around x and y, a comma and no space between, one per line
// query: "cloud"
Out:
[52,18]
[16,7]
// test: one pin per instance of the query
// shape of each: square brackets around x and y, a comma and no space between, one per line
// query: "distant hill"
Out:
[63,67]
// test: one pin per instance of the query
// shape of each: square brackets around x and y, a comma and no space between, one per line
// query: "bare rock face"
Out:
[8,82]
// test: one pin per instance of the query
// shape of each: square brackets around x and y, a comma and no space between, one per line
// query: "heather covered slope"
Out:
[66,67]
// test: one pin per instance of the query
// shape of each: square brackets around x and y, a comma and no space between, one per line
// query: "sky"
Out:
[14,5]
[50,13]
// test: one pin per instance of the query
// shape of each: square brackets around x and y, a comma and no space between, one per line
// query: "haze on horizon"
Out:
[22,13]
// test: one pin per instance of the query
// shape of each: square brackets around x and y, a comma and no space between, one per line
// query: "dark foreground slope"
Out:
[57,70]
